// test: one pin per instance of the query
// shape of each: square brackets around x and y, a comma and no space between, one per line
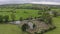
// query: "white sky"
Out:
[43,2]
[29,1]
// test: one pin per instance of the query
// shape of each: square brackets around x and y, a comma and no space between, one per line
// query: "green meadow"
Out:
[14,29]
[56,22]
[10,29]
[24,13]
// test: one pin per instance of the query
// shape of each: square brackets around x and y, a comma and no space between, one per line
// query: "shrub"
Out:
[35,33]
[55,14]
[49,20]
[41,19]
[6,18]
[29,18]
[39,13]
[1,18]
[25,12]
[21,19]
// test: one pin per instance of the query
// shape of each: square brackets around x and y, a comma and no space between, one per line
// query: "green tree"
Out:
[46,17]
[1,18]
[13,14]
[55,14]
[6,18]
[21,19]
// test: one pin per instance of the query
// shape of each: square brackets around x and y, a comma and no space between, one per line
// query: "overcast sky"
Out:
[26,1]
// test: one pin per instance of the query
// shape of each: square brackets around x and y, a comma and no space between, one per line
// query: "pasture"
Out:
[14,29]
[56,22]
[24,13]
[10,29]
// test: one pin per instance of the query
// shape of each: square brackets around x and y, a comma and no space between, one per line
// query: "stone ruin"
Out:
[39,26]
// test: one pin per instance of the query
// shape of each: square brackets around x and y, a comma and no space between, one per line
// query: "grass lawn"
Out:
[10,29]
[56,22]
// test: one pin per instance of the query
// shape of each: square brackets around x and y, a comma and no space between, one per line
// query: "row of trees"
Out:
[38,7]
[45,16]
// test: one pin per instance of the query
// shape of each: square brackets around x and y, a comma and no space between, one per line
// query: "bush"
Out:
[6,18]
[21,19]
[49,20]
[25,12]
[45,30]
[41,19]
[55,14]
[39,13]
[1,18]
[29,18]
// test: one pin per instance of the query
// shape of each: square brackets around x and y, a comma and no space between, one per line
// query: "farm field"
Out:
[10,29]
[13,29]
[24,13]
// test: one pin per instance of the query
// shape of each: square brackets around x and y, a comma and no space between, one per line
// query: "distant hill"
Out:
[28,5]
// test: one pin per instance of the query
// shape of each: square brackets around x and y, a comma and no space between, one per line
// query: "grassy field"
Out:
[10,29]
[56,22]
[13,29]
[24,13]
